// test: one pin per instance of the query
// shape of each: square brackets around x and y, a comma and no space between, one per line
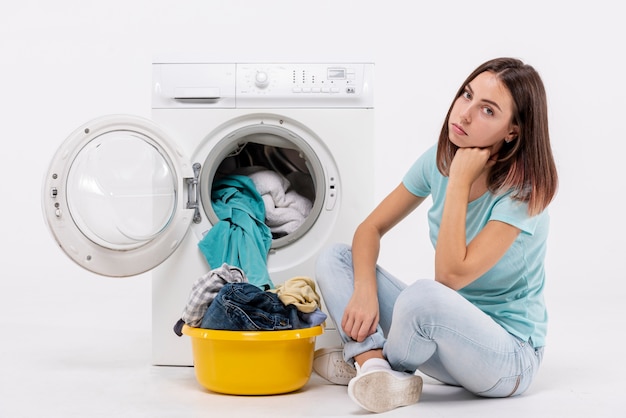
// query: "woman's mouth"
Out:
[457,129]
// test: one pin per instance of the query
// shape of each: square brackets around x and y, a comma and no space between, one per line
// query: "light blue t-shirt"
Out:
[511,292]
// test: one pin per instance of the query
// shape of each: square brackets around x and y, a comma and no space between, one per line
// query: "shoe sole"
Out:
[380,391]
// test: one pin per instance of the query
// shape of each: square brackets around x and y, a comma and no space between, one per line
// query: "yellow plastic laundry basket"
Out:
[253,362]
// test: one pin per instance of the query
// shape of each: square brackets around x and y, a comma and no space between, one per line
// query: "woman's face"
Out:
[482,116]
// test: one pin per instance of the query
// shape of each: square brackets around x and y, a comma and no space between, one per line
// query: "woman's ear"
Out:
[512,135]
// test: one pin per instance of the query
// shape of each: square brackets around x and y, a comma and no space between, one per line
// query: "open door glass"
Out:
[114,197]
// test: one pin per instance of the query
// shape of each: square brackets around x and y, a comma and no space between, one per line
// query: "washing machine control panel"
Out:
[262,85]
[304,85]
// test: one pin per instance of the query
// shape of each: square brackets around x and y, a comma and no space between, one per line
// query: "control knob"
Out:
[261,79]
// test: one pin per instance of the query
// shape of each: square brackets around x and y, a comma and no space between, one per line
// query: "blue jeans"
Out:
[245,307]
[429,327]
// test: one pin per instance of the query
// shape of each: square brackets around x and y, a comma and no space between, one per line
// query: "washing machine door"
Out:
[116,196]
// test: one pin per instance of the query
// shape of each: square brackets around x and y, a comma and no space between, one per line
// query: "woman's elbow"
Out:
[450,279]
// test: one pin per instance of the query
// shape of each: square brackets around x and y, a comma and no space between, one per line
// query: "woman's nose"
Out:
[465,114]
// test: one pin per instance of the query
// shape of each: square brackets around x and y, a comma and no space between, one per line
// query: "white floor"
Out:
[59,371]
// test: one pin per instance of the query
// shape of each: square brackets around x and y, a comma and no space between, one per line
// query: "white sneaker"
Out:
[329,363]
[383,390]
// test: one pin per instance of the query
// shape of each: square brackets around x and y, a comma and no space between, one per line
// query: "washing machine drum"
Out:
[285,171]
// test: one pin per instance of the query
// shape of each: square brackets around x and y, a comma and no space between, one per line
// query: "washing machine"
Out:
[125,195]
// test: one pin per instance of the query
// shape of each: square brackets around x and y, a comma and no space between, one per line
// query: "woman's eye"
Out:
[467,95]
[488,111]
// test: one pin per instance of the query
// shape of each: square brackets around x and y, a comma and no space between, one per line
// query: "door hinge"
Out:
[193,193]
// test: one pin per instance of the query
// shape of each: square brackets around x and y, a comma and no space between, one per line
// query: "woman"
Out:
[481,323]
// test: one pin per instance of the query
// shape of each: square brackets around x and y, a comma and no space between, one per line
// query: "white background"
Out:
[65,62]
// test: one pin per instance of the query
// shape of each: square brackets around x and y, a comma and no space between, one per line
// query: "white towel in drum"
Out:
[285,210]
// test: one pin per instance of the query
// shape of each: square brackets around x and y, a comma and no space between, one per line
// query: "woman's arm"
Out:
[457,264]
[361,315]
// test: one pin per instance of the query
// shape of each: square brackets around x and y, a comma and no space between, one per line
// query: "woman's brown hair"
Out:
[526,164]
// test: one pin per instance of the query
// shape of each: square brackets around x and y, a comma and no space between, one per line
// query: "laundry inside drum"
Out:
[283,180]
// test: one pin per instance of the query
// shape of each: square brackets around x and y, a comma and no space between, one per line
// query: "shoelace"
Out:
[343,369]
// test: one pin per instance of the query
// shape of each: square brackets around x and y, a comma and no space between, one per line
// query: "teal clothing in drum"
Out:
[511,292]
[240,238]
